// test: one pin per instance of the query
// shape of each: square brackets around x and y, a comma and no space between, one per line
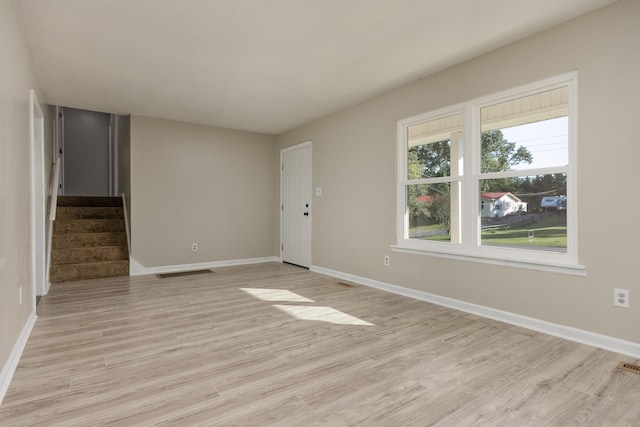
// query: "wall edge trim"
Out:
[137,269]
[9,368]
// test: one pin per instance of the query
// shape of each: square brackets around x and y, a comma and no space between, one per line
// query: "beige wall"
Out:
[354,162]
[199,184]
[17,78]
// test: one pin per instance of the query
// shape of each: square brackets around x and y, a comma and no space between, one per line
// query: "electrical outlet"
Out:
[621,297]
[386,260]
[194,247]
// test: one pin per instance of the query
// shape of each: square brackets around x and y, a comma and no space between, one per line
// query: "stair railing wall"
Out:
[53,203]
[53,191]
[126,222]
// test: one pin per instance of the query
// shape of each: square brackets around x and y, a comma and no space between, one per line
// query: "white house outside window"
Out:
[493,179]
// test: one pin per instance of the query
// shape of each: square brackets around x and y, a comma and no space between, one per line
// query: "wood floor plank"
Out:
[276,345]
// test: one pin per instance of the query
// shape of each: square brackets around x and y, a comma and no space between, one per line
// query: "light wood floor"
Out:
[296,348]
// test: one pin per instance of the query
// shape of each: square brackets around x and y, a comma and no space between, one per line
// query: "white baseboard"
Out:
[11,364]
[137,269]
[593,339]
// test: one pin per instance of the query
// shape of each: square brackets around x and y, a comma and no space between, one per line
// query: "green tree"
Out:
[440,210]
[434,160]
[417,208]
[500,155]
[430,160]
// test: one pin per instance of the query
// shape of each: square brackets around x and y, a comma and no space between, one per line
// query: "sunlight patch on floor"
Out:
[322,314]
[275,295]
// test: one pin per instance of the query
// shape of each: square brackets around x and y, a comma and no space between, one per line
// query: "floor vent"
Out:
[629,367]
[344,285]
[183,274]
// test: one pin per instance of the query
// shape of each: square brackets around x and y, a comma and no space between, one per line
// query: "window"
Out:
[492,179]
[433,154]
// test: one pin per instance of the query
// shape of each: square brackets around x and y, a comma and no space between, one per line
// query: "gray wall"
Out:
[199,184]
[122,155]
[122,144]
[17,77]
[86,153]
[354,161]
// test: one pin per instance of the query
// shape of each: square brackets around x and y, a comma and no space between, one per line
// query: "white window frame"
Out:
[470,248]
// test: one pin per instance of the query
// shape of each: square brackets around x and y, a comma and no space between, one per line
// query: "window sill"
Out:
[570,269]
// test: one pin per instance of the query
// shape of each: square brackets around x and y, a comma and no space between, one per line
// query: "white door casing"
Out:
[295,196]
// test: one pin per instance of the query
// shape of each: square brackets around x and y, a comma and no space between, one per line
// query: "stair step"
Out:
[89,239]
[86,201]
[88,226]
[86,271]
[70,213]
[92,254]
[85,240]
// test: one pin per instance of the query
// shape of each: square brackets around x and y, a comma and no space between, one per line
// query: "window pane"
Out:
[429,208]
[526,212]
[526,133]
[430,152]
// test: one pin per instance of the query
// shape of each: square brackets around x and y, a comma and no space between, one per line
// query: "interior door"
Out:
[296,204]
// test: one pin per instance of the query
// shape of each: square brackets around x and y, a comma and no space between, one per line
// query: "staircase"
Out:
[89,239]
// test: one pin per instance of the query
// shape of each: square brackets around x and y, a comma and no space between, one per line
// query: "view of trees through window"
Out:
[433,164]
[527,210]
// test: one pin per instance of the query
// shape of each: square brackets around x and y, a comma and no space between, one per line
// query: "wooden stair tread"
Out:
[88,270]
[86,201]
[101,225]
[89,254]
[64,213]
[83,240]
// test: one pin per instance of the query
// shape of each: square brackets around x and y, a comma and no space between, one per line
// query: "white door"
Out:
[296,204]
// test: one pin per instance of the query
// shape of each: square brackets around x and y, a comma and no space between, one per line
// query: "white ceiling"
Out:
[261,65]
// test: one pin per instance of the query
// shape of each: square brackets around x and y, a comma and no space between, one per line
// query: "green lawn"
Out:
[548,231]
[555,237]
[423,228]
[419,231]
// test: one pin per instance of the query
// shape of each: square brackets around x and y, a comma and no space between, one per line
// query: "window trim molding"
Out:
[470,248]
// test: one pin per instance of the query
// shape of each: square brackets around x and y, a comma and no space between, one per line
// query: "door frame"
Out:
[38,194]
[282,151]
